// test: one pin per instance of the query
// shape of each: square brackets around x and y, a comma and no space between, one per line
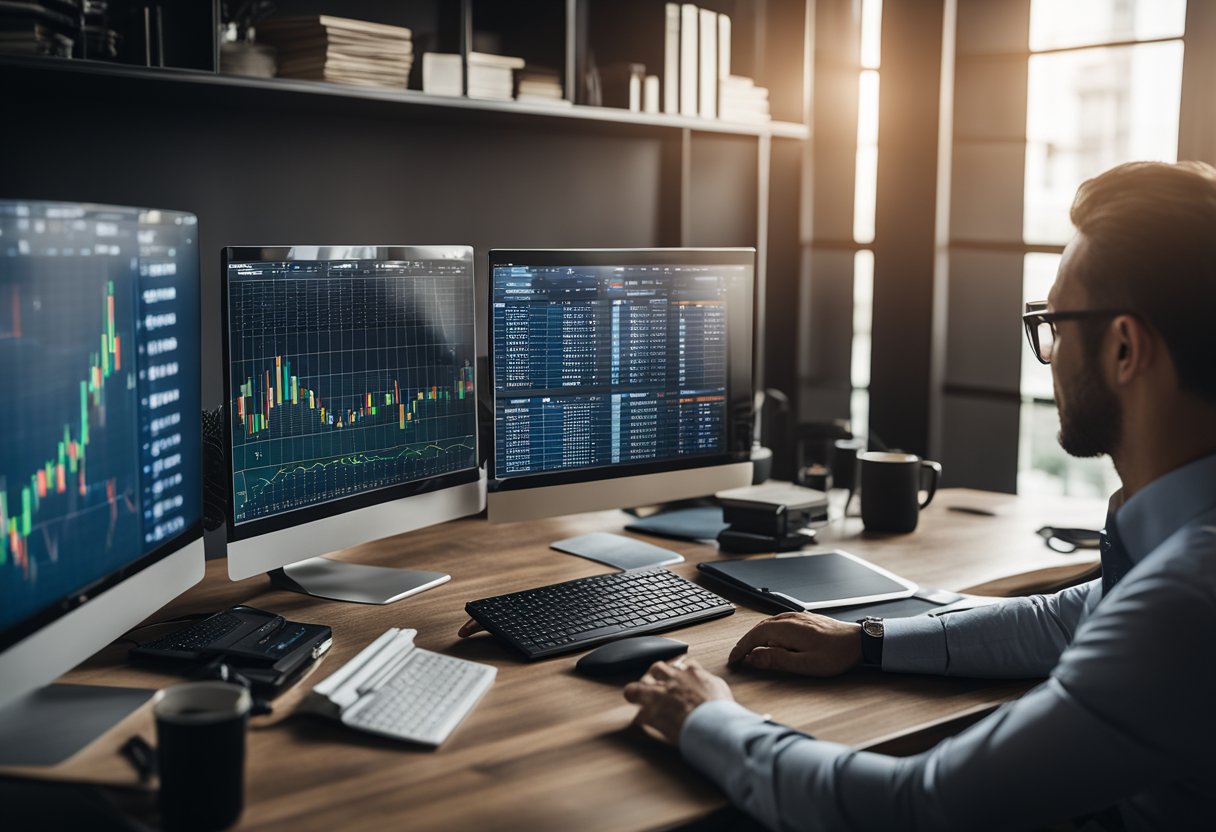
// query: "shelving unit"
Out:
[273,160]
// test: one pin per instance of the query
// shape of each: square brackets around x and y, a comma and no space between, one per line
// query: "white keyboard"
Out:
[398,690]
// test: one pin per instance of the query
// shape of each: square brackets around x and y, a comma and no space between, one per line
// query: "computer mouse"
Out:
[629,655]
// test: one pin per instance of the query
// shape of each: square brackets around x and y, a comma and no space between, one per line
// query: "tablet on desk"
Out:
[811,581]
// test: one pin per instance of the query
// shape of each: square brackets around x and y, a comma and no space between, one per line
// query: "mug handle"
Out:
[936,469]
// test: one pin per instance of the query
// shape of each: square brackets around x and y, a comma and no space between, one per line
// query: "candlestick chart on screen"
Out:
[344,383]
[70,449]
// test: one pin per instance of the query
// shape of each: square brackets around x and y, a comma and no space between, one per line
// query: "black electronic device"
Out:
[629,655]
[247,638]
[773,517]
[562,618]
[740,542]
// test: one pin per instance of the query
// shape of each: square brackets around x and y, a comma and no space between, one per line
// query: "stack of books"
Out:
[537,85]
[442,73]
[326,48]
[492,76]
[739,99]
[51,27]
[101,43]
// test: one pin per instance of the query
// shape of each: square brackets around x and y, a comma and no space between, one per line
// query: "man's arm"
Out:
[1128,707]
[1022,637]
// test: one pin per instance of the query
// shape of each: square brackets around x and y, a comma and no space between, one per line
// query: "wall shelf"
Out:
[69,71]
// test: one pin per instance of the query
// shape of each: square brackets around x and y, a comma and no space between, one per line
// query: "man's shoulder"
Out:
[1183,565]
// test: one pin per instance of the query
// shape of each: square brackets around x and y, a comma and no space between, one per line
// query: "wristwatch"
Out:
[871,641]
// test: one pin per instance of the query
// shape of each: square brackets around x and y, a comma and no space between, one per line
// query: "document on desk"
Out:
[396,689]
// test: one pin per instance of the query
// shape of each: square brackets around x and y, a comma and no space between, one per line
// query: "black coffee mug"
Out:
[890,489]
[200,751]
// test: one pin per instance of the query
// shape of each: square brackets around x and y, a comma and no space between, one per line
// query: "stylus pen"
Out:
[982,512]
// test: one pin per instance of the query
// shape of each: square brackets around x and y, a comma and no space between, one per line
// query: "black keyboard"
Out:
[570,616]
[197,636]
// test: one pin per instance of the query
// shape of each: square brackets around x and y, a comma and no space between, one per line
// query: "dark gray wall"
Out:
[264,167]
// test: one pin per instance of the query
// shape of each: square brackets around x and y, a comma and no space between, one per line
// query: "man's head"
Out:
[1146,247]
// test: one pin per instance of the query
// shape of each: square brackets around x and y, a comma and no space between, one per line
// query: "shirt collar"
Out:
[1165,505]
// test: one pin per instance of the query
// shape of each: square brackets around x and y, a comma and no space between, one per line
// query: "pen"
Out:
[140,755]
[982,512]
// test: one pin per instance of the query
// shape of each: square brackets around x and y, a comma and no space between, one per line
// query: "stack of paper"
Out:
[442,73]
[739,99]
[327,48]
[35,28]
[540,86]
[491,76]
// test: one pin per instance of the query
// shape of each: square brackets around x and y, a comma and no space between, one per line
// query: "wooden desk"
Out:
[549,750]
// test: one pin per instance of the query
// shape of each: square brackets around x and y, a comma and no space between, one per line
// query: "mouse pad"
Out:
[613,549]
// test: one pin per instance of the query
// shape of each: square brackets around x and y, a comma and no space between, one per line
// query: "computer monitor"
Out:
[620,377]
[100,490]
[351,408]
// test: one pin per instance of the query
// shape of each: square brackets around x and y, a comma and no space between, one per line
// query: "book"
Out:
[488,60]
[342,50]
[707,64]
[723,46]
[689,28]
[442,73]
[671,60]
[650,94]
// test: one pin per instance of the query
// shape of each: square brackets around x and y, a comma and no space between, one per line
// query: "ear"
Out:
[1136,348]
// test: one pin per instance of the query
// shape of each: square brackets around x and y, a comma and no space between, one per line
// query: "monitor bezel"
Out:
[332,508]
[31,624]
[739,375]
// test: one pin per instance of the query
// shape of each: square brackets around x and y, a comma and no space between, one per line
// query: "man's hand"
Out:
[800,642]
[670,691]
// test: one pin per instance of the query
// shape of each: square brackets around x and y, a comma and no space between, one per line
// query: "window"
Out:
[864,205]
[1104,87]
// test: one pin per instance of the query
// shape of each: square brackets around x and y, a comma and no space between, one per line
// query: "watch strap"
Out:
[871,645]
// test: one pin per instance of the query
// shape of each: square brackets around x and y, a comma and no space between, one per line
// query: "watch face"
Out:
[873,627]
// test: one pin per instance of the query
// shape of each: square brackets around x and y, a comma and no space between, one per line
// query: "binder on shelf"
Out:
[723,46]
[442,73]
[650,94]
[707,86]
[671,61]
[689,26]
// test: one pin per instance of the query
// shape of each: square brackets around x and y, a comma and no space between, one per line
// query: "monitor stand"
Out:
[341,581]
[49,725]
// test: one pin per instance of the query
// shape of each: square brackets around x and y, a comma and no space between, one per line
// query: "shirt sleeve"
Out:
[1018,638]
[1076,743]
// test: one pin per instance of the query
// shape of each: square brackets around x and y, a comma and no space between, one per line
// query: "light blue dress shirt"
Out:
[1126,718]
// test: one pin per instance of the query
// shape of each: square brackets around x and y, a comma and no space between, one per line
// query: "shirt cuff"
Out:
[710,740]
[914,645]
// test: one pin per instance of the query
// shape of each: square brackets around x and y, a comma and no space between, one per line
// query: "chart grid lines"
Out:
[347,377]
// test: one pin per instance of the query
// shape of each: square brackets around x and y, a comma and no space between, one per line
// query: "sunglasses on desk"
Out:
[1067,540]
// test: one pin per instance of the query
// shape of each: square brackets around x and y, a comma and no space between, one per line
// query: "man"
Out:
[1123,729]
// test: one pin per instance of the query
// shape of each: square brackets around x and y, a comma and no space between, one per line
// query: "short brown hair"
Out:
[1152,233]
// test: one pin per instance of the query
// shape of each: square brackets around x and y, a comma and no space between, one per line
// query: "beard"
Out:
[1092,420]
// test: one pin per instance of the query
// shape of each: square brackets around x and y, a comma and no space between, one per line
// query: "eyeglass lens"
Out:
[1045,335]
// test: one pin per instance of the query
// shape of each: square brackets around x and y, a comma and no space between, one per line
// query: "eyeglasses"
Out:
[1041,325]
[1067,541]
